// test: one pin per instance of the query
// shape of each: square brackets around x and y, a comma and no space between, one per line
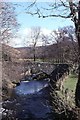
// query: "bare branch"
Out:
[45,16]
[31,5]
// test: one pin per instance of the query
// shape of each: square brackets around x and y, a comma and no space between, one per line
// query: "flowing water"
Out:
[30,101]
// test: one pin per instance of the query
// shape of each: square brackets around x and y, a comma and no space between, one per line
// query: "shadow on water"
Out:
[29,101]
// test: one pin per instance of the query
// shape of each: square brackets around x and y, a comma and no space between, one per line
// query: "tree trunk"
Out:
[77,92]
[34,57]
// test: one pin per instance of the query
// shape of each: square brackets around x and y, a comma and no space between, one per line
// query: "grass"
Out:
[70,82]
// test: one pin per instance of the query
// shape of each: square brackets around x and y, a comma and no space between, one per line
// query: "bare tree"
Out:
[8,29]
[45,43]
[8,22]
[64,9]
[34,37]
[56,36]
[65,44]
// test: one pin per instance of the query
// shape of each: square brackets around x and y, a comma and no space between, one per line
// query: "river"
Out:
[29,101]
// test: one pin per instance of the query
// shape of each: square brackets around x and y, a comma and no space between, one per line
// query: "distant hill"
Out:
[65,49]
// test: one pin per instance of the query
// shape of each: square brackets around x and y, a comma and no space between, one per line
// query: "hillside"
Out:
[11,68]
[64,51]
[10,53]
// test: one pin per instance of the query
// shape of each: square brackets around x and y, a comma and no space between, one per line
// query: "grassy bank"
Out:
[68,92]
[70,82]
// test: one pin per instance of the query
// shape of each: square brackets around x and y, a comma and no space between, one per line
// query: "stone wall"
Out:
[37,67]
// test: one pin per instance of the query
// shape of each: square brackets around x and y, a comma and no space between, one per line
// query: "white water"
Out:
[31,87]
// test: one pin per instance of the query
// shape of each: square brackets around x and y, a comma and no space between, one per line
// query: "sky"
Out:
[27,21]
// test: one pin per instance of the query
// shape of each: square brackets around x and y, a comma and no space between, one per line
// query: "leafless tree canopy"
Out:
[8,21]
[53,9]
[34,37]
